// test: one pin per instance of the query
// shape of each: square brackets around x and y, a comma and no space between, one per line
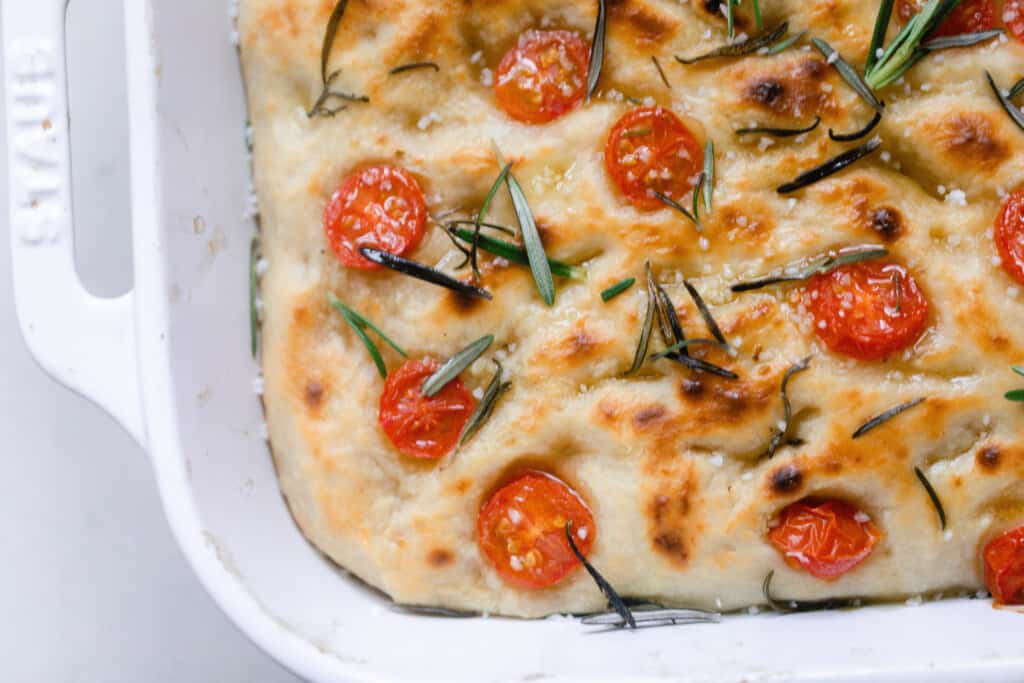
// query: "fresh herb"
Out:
[850,137]
[413,66]
[454,366]
[1017,395]
[906,49]
[818,265]
[695,207]
[509,251]
[1017,88]
[698,365]
[359,325]
[474,243]
[878,35]
[430,611]
[748,47]
[421,272]
[708,179]
[673,204]
[793,606]
[705,313]
[878,420]
[961,40]
[614,601]
[668,320]
[254,293]
[830,167]
[645,332]
[485,407]
[661,72]
[531,241]
[758,20]
[784,45]
[616,289]
[597,50]
[1014,112]
[653,616]
[686,344]
[787,407]
[848,73]
[320,107]
[779,132]
[930,490]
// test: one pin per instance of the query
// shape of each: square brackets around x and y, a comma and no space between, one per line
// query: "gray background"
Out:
[93,586]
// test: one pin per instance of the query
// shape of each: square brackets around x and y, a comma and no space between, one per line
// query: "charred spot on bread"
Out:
[648,416]
[785,479]
[440,557]
[971,139]
[314,394]
[887,222]
[988,457]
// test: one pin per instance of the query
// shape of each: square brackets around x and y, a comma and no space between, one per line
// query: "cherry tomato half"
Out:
[867,310]
[1004,567]
[521,530]
[380,207]
[543,76]
[650,150]
[827,538]
[418,426]
[970,16]
[1013,15]
[1010,235]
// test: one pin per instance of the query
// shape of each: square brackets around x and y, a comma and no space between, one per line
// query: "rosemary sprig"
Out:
[686,344]
[653,616]
[818,265]
[413,66]
[930,490]
[1017,395]
[531,241]
[431,611]
[784,45]
[617,289]
[708,179]
[779,132]
[850,137]
[485,407]
[960,40]
[359,325]
[878,36]
[1014,112]
[747,47]
[848,73]
[421,272]
[695,207]
[830,167]
[881,419]
[906,49]
[597,50]
[509,251]
[661,72]
[614,601]
[758,20]
[254,290]
[787,407]
[673,204]
[1017,89]
[668,320]
[474,243]
[454,366]
[329,35]
[320,107]
[640,355]
[792,606]
[705,313]
[698,365]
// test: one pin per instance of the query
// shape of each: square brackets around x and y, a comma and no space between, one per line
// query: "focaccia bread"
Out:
[689,486]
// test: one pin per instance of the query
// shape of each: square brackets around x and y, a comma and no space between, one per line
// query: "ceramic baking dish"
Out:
[170,362]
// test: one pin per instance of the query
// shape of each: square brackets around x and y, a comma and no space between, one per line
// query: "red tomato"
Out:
[1010,235]
[827,538]
[970,16]
[543,76]
[521,530]
[419,426]
[1013,15]
[380,207]
[650,150]
[867,310]
[1004,567]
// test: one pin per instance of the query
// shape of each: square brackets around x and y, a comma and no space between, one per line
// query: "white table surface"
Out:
[93,587]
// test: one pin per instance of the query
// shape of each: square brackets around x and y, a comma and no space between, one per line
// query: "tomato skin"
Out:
[521,530]
[1013,14]
[650,149]
[1010,235]
[543,77]
[381,207]
[416,425]
[826,538]
[1004,567]
[858,311]
[970,16]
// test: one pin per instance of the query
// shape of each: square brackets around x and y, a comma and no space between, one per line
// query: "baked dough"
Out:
[670,462]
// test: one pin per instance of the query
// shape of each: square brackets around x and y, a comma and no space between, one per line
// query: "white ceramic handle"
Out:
[85,342]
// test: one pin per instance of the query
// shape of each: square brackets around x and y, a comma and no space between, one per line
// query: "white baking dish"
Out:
[170,361]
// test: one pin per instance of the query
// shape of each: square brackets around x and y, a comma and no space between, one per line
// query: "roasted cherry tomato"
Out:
[1004,567]
[867,310]
[380,207]
[521,530]
[419,426]
[1010,235]
[543,76]
[1013,15]
[970,16]
[650,150]
[826,537]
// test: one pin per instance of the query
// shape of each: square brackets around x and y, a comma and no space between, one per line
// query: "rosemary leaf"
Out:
[818,265]
[758,20]
[364,323]
[617,289]
[329,35]
[780,132]
[709,174]
[730,19]
[686,344]
[254,290]
[668,319]
[597,50]
[614,601]
[792,606]
[412,66]
[422,272]
[1017,89]
[743,49]
[430,611]
[784,45]
[511,252]
[1018,369]
[961,40]
[933,496]
[1014,112]
[671,203]
[848,73]
[454,366]
[474,242]
[661,72]
[651,617]
[787,407]
[531,240]
[346,315]
[830,167]
[486,405]
[1016,395]
[645,336]
[698,365]
[906,50]
[320,107]
[705,313]
[695,207]
[881,28]
[850,137]
[878,420]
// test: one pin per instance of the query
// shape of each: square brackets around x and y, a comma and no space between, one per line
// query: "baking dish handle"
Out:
[85,342]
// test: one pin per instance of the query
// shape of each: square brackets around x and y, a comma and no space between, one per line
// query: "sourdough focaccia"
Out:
[712,421]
